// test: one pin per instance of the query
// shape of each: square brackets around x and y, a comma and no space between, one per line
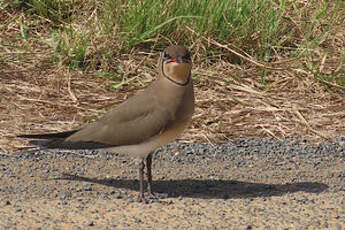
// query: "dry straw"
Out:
[37,95]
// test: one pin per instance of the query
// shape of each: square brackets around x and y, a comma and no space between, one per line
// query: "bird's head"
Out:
[175,64]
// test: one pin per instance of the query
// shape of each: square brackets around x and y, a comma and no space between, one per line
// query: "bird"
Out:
[141,124]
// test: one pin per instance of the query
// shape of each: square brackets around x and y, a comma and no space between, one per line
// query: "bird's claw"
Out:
[158,196]
[152,198]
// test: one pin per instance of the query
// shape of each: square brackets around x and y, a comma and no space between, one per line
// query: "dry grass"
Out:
[232,100]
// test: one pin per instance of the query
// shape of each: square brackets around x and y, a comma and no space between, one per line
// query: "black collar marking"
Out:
[172,80]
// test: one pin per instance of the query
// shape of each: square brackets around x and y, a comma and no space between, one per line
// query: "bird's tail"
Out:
[48,135]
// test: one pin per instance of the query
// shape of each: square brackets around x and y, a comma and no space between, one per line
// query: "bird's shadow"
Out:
[208,189]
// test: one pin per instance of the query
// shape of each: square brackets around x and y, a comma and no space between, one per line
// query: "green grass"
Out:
[226,21]
[89,34]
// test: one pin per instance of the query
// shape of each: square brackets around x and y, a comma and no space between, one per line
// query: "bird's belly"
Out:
[145,148]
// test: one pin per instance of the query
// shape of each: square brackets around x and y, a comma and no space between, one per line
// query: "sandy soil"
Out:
[239,191]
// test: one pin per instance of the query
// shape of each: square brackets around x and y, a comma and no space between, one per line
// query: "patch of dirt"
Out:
[247,191]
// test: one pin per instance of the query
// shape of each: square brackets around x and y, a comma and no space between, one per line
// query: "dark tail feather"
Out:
[57,141]
[41,143]
[49,135]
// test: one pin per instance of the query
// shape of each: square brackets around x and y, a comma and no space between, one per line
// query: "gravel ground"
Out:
[245,184]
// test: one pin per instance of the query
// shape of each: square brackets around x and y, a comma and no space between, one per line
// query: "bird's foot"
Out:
[157,196]
[152,198]
[147,200]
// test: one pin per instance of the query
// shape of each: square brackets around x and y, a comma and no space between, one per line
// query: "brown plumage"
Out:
[148,120]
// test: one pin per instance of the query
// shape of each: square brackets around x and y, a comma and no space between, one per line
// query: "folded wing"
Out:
[132,122]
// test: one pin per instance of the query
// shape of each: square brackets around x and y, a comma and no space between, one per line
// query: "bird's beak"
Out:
[179,60]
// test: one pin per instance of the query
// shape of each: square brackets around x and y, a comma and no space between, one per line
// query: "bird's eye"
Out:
[166,55]
[187,56]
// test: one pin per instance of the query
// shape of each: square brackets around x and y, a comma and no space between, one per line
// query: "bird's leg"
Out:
[149,179]
[149,173]
[141,197]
